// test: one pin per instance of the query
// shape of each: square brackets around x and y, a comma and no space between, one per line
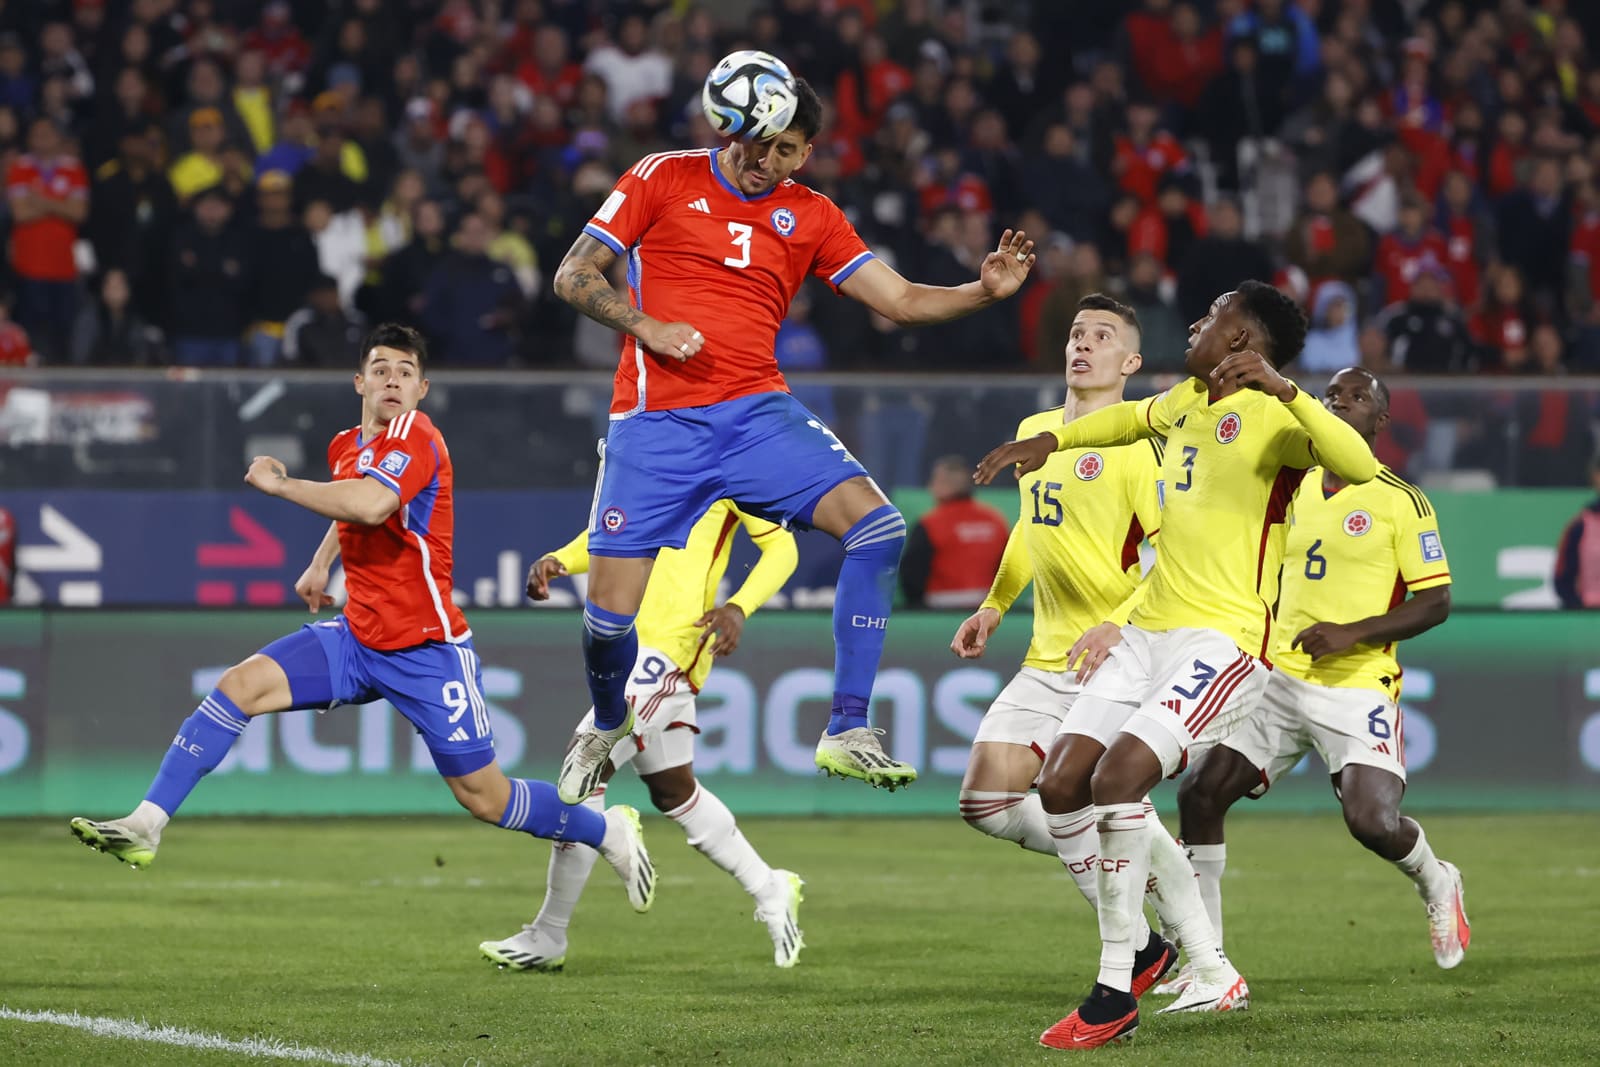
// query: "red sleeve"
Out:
[841,252]
[19,177]
[405,458]
[633,204]
[78,181]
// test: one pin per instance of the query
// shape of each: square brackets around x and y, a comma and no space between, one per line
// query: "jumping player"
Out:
[1354,554]
[718,242]
[1187,666]
[681,632]
[400,637]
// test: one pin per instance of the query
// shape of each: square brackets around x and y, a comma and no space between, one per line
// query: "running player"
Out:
[1354,553]
[400,637]
[681,632]
[1077,540]
[1186,667]
[718,242]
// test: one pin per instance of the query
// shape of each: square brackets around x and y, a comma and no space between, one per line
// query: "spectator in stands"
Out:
[341,241]
[405,272]
[631,68]
[1468,232]
[1426,334]
[322,333]
[1406,251]
[1145,153]
[954,550]
[1535,234]
[1502,326]
[549,70]
[1327,242]
[201,167]
[1061,304]
[110,331]
[283,263]
[1236,107]
[336,168]
[1219,261]
[1577,570]
[472,304]
[418,146]
[206,90]
[132,214]
[252,100]
[16,350]
[1163,336]
[48,193]
[1059,182]
[19,90]
[210,269]
[1331,342]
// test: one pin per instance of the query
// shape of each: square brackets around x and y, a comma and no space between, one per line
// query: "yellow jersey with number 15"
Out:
[1353,554]
[1083,515]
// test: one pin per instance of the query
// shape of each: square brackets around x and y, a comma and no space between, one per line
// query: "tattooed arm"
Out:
[581,281]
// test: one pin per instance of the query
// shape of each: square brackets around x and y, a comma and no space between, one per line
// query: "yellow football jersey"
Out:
[683,582]
[1077,538]
[1229,471]
[1350,556]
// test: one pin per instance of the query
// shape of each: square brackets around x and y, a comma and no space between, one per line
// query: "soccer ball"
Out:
[750,95]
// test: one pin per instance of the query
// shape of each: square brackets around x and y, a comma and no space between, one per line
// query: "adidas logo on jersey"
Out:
[700,205]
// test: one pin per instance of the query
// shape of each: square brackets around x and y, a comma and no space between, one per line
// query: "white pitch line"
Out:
[129,1030]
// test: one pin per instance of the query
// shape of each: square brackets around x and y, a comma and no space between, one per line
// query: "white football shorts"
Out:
[1029,710]
[1345,725]
[1175,690]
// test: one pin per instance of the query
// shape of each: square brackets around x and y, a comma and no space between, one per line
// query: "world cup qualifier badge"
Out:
[612,520]
[783,222]
[1228,427]
[1357,523]
[1089,466]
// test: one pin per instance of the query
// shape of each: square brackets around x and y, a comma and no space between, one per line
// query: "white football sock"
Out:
[1178,899]
[1076,846]
[1015,817]
[1209,861]
[1424,869]
[1122,870]
[570,864]
[148,820]
[711,829]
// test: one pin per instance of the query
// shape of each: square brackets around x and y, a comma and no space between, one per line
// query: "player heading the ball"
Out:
[717,243]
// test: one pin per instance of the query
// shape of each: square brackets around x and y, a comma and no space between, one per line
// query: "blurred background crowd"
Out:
[223,182]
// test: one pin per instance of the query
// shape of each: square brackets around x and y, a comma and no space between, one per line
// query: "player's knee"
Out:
[1200,795]
[242,684]
[669,792]
[1062,792]
[879,535]
[988,812]
[1372,825]
[481,806]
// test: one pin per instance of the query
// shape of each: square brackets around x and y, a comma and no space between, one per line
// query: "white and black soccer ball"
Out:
[750,95]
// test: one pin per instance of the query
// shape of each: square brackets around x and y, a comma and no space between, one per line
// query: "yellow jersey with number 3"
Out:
[1351,555]
[1083,515]
[683,582]
[1230,469]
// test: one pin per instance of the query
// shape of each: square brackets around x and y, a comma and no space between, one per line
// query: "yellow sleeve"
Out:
[1330,441]
[1131,420]
[574,555]
[779,557]
[1120,613]
[1016,571]
[1417,546]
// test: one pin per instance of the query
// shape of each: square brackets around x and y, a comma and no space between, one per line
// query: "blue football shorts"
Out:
[661,470]
[437,686]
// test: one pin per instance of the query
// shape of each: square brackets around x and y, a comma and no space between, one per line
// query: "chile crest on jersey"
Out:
[783,221]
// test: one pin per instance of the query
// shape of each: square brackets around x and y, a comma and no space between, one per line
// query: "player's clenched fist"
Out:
[267,475]
[1025,456]
[540,575]
[676,339]
[1252,370]
[973,634]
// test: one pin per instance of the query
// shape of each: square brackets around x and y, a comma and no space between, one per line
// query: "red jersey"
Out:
[42,249]
[1401,258]
[398,572]
[700,251]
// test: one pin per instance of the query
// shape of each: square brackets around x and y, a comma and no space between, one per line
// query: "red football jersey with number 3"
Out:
[397,573]
[700,251]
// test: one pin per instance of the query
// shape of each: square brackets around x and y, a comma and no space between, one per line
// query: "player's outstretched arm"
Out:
[1119,424]
[1334,443]
[313,583]
[581,281]
[360,500]
[908,303]
[1421,613]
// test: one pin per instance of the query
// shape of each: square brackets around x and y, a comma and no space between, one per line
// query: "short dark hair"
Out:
[807,110]
[1125,312]
[394,335]
[1280,319]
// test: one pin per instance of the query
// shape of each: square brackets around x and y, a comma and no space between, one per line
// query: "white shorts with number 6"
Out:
[1344,725]
[663,708]
[1178,691]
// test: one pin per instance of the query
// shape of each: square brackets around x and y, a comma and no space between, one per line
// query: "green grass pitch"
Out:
[926,944]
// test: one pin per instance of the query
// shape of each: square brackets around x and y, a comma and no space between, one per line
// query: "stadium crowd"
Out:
[221,182]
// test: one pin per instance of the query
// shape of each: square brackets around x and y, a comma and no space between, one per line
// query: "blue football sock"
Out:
[861,612]
[202,741]
[534,808]
[610,646]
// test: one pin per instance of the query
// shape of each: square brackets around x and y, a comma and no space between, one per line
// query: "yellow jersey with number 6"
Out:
[1353,554]
[1083,515]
